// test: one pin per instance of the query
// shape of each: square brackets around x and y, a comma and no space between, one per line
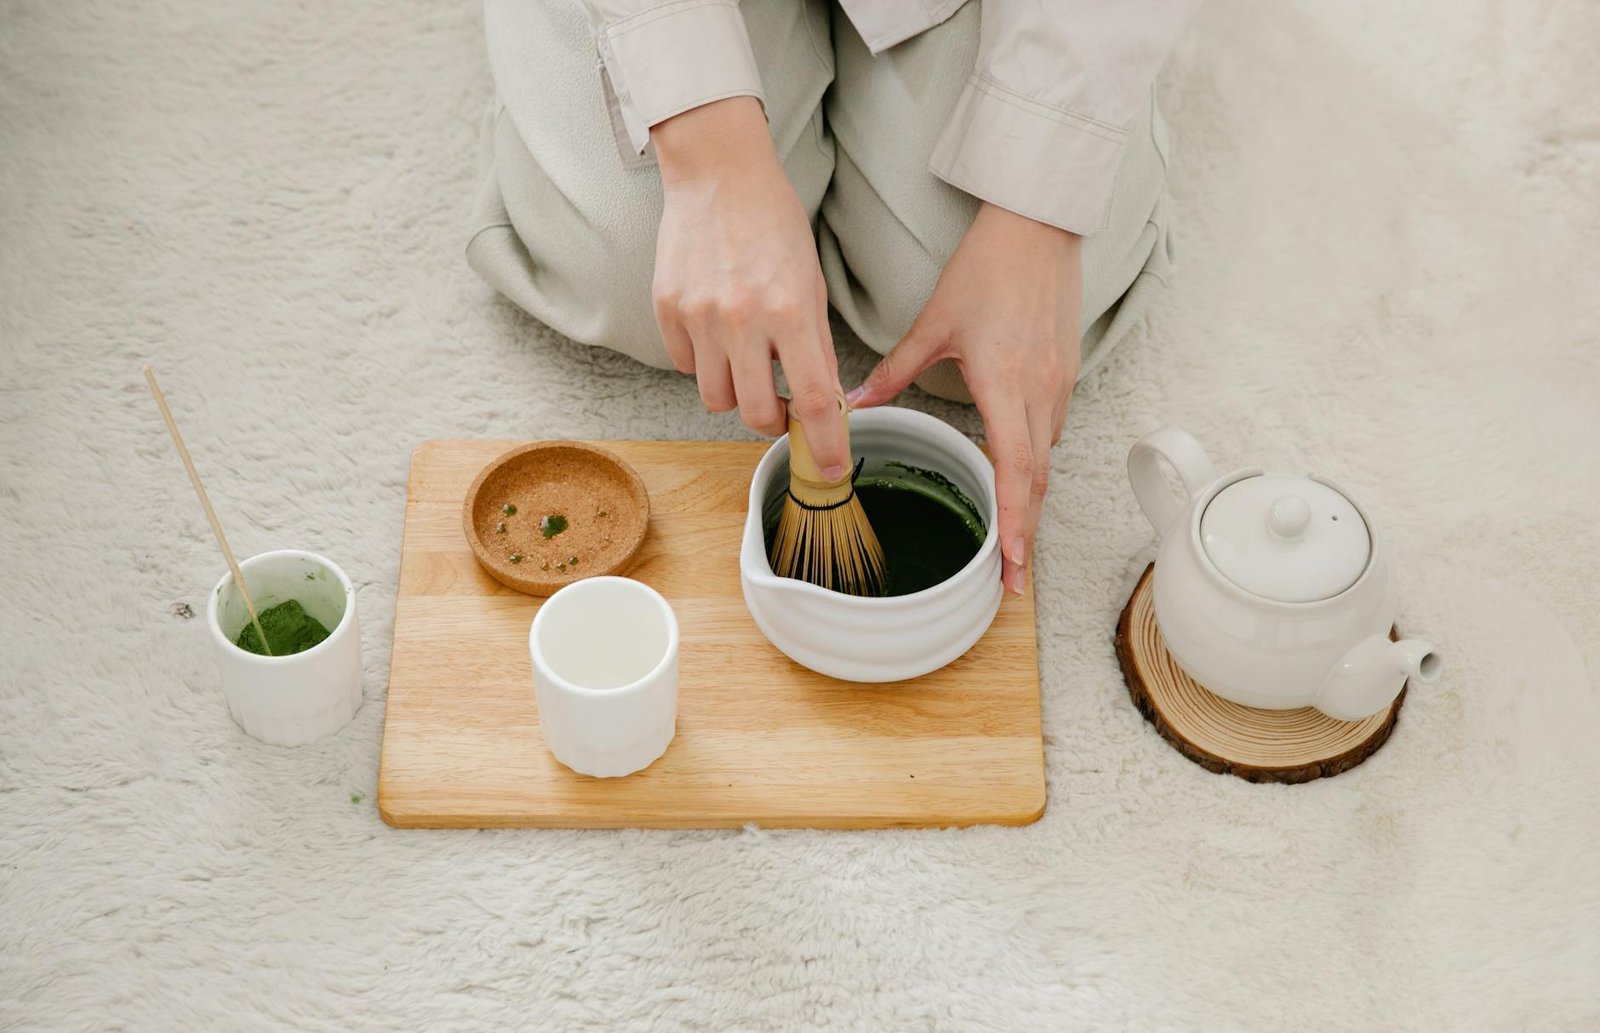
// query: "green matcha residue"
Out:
[290,629]
[552,524]
[942,483]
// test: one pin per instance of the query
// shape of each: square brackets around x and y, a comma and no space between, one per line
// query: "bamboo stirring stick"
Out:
[205,503]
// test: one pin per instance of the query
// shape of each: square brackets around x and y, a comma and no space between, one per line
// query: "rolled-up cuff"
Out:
[885,23]
[1042,162]
[668,59]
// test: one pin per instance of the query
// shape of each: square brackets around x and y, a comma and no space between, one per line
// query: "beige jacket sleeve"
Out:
[1039,129]
[663,57]
[1041,125]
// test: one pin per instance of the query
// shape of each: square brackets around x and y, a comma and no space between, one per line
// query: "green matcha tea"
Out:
[927,526]
[925,542]
[289,628]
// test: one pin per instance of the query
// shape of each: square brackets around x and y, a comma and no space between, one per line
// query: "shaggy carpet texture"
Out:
[1388,231]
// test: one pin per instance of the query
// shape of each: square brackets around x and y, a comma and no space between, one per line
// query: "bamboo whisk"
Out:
[823,535]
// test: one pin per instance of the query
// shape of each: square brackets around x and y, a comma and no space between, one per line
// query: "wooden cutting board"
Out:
[761,740]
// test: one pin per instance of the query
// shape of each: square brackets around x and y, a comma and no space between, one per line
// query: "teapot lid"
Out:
[1286,538]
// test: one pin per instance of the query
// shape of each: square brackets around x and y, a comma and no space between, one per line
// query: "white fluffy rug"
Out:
[1388,223]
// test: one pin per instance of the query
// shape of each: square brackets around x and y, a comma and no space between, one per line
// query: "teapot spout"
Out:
[1368,677]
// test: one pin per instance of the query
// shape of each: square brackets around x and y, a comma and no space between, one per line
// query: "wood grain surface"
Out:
[761,740]
[1257,745]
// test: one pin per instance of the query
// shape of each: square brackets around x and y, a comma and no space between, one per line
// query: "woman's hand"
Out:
[1006,310]
[737,280]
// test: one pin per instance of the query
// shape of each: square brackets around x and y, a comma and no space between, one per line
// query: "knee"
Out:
[566,258]
[600,303]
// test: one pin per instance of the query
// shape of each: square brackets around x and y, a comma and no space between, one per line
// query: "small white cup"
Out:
[289,700]
[605,675]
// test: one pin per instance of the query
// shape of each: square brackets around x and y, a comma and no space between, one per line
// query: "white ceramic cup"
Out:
[605,675]
[289,700]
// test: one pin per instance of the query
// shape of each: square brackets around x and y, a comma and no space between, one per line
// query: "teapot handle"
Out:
[1161,506]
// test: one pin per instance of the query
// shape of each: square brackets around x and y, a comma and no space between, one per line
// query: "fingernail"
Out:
[1019,552]
[1013,580]
[856,394]
[833,473]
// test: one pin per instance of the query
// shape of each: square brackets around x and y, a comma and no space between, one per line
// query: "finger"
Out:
[712,371]
[758,397]
[1041,427]
[1011,449]
[825,330]
[812,372]
[920,348]
[679,347]
[715,379]
[1058,419]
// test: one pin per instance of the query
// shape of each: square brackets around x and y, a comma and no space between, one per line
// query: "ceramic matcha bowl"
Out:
[877,639]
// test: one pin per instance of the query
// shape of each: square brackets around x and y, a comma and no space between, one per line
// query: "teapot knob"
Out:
[1289,516]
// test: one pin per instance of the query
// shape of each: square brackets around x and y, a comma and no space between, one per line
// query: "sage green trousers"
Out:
[565,225]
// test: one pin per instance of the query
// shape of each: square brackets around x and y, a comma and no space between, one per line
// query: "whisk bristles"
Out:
[823,535]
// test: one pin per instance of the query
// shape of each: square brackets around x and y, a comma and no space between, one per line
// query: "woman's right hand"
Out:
[737,281]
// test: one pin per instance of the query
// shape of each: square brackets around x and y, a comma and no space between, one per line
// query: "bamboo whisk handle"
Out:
[802,464]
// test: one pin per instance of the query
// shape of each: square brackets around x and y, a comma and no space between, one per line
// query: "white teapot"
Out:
[1272,590]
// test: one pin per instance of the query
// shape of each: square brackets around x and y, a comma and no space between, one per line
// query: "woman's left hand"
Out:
[1006,310]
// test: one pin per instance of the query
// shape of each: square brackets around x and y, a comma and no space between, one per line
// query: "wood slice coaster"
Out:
[1257,745]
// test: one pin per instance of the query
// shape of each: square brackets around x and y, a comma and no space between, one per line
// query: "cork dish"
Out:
[544,515]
